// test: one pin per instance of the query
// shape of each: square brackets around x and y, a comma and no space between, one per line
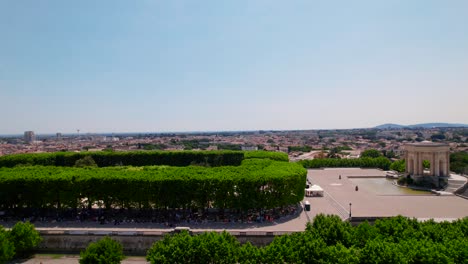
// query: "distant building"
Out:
[249,148]
[29,136]
[59,136]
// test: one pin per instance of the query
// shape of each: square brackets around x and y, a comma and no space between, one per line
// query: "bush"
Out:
[399,165]
[371,153]
[257,183]
[24,238]
[87,161]
[261,154]
[104,251]
[327,240]
[405,180]
[7,249]
[380,162]
[127,158]
[209,247]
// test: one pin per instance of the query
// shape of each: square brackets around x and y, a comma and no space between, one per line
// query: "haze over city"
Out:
[156,66]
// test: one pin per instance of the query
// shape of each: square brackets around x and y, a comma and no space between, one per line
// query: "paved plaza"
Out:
[366,202]
[73,259]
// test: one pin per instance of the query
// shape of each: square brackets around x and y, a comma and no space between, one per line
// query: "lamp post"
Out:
[350,210]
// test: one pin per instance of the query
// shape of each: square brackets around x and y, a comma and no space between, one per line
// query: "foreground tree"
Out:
[328,240]
[205,248]
[24,238]
[104,251]
[7,249]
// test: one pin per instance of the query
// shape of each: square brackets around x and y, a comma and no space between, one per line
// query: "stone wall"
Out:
[134,243]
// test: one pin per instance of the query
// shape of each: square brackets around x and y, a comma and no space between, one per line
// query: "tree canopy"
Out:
[327,240]
[371,153]
[19,241]
[380,162]
[257,183]
[459,162]
[104,251]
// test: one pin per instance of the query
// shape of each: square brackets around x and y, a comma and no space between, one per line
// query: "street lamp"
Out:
[350,210]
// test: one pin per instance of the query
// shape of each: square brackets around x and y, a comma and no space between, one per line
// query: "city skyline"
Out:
[118,133]
[179,66]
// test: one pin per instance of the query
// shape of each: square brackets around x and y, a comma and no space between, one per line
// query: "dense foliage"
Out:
[129,158]
[87,161]
[380,162]
[399,165]
[19,241]
[459,162]
[299,148]
[104,251]
[24,237]
[205,248]
[257,183]
[371,153]
[328,240]
[260,154]
[7,249]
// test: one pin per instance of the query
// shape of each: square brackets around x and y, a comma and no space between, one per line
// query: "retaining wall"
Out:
[133,242]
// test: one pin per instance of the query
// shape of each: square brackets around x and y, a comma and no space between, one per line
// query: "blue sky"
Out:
[158,66]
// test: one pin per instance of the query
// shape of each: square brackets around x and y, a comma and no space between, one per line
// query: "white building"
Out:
[249,148]
[29,136]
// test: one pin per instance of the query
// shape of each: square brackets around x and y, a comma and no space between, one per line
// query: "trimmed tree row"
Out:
[257,183]
[128,158]
[380,162]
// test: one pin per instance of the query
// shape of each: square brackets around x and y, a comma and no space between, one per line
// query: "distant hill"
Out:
[424,125]
[389,126]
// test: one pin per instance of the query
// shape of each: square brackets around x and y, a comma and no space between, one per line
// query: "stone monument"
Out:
[438,157]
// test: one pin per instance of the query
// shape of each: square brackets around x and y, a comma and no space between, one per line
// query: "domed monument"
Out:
[428,162]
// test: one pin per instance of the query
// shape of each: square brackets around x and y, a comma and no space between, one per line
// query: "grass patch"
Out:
[54,256]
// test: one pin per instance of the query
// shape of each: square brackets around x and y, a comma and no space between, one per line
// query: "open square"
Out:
[339,193]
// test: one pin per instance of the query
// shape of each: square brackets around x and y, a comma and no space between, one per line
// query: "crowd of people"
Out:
[149,217]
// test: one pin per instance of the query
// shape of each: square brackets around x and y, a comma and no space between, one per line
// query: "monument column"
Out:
[407,164]
[447,164]
[433,164]
[420,166]
[444,165]
[415,163]
[436,164]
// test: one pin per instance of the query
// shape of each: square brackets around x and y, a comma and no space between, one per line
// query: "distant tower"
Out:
[59,136]
[29,136]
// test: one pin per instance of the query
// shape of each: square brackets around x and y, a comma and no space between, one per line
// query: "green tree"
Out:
[339,254]
[7,249]
[249,254]
[438,137]
[390,154]
[459,162]
[86,161]
[104,251]
[331,229]
[381,252]
[205,248]
[426,164]
[24,238]
[371,153]
[362,233]
[399,165]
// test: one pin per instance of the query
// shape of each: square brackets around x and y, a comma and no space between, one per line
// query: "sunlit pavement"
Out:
[366,203]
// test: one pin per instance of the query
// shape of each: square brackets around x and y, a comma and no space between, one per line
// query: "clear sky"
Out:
[158,66]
